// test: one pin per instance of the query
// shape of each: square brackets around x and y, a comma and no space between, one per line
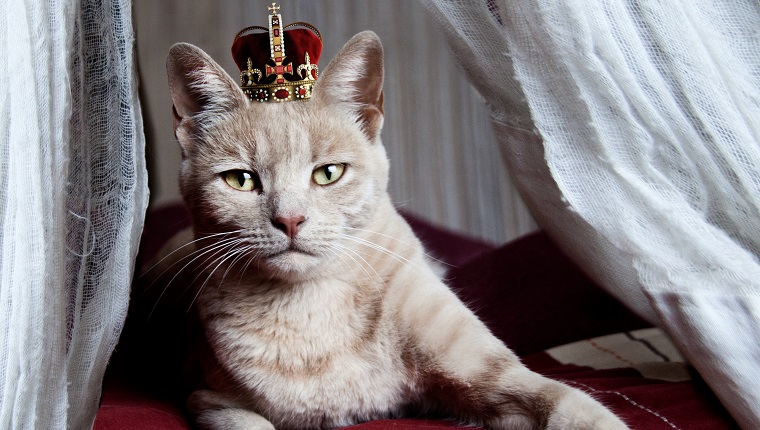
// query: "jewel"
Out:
[281,94]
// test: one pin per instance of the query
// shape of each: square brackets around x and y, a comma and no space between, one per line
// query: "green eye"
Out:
[327,174]
[242,180]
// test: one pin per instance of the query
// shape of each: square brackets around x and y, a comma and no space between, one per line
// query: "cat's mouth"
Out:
[293,249]
[292,261]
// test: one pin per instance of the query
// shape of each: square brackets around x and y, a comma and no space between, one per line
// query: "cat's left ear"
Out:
[354,78]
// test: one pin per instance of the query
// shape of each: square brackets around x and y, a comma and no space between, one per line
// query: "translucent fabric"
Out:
[73,195]
[631,128]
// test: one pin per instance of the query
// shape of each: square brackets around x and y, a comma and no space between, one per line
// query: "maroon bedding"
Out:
[530,295]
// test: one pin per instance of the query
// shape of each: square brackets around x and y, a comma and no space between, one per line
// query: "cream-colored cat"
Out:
[319,306]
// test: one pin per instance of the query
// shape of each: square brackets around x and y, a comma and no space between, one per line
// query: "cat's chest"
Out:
[309,349]
[296,327]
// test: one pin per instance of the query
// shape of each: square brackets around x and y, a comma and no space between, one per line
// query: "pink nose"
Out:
[289,224]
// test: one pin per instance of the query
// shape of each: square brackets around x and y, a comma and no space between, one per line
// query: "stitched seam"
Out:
[627,399]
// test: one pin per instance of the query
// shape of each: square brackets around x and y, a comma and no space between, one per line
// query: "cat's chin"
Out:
[292,264]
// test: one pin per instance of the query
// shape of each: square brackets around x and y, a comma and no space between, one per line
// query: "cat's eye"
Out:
[327,174]
[242,180]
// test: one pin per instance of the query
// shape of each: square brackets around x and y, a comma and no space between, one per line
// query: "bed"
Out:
[527,291]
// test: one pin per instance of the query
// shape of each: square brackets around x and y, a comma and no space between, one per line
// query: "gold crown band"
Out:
[289,91]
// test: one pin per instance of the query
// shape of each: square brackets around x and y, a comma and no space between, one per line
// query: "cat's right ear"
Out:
[200,90]
[354,78]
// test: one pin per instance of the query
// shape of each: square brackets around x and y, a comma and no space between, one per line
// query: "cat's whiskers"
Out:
[372,245]
[214,249]
[336,251]
[209,236]
[244,269]
[198,253]
[230,253]
[345,250]
[407,244]
[241,254]
[233,252]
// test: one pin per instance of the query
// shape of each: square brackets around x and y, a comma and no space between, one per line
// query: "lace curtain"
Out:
[631,128]
[72,200]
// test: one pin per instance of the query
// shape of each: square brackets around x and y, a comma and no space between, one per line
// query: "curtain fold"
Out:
[73,195]
[630,127]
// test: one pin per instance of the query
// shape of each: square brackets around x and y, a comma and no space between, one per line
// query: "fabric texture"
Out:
[73,194]
[631,129]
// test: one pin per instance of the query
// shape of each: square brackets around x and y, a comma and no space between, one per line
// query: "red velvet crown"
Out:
[269,73]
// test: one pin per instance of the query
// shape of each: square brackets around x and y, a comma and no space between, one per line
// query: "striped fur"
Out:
[346,321]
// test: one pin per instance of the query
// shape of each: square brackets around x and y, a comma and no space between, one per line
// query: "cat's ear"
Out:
[354,78]
[200,89]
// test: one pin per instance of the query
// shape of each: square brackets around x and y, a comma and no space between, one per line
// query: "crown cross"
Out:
[277,45]
[274,8]
[279,70]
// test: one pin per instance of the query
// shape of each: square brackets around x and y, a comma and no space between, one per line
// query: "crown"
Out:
[267,74]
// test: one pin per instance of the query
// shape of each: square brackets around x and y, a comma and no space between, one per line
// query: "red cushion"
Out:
[533,297]
[123,407]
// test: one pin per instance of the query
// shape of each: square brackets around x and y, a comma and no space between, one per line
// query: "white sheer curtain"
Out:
[72,200]
[631,128]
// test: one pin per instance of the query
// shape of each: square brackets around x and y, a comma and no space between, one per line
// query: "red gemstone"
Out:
[276,32]
[262,95]
[282,94]
[279,70]
[302,91]
[278,59]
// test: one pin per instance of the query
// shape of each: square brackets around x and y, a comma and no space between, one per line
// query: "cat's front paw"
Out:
[215,411]
[232,419]
[579,411]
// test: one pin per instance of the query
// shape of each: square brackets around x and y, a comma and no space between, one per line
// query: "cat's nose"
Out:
[289,224]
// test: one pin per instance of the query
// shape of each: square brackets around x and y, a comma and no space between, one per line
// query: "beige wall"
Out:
[445,163]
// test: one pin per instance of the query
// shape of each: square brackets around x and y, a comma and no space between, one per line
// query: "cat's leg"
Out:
[215,411]
[472,375]
[548,403]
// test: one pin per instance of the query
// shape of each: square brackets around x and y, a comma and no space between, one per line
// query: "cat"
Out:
[319,306]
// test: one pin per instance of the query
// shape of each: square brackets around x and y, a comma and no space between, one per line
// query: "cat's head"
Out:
[288,179]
